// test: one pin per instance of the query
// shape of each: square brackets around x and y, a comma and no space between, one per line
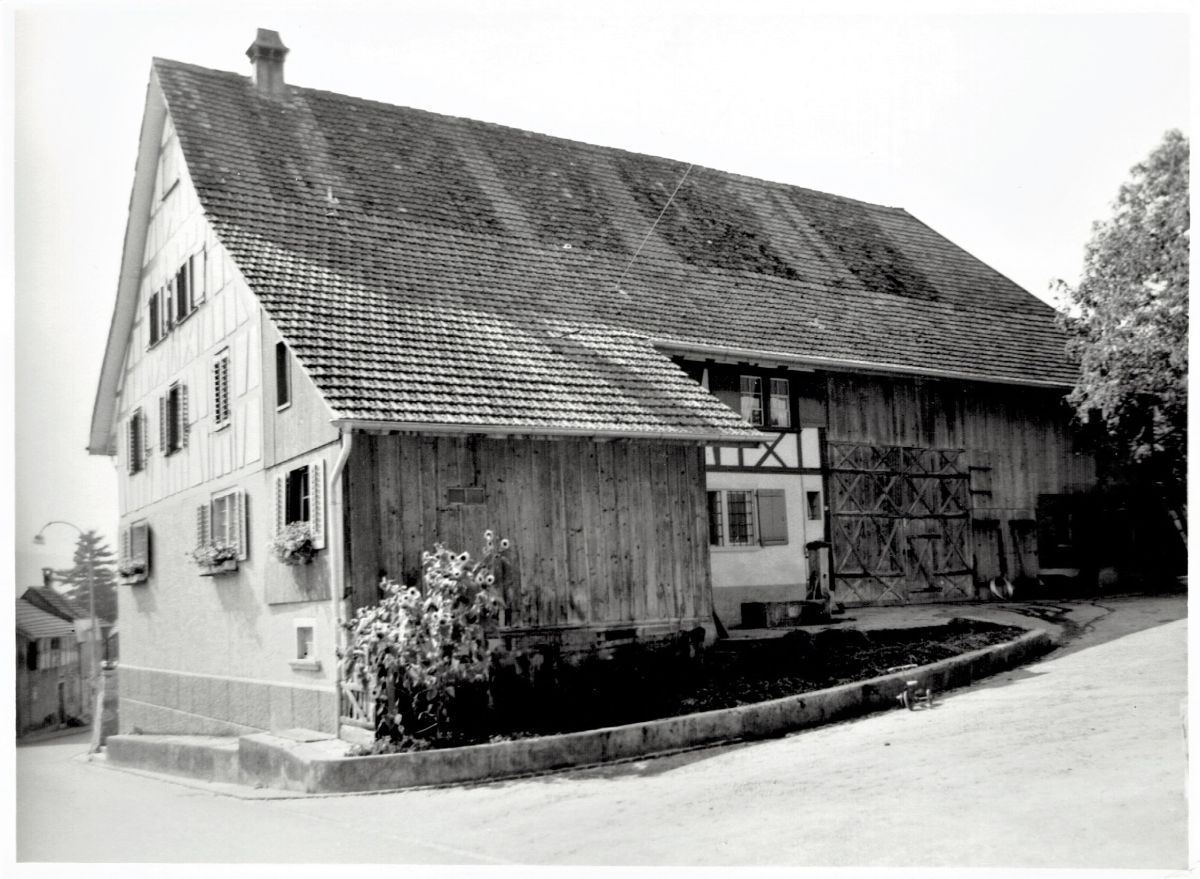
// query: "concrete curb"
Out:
[321,767]
[303,767]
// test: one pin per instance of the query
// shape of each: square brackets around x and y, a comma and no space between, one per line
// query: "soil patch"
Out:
[549,696]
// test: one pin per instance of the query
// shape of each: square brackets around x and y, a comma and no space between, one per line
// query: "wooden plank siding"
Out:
[604,535]
[1021,439]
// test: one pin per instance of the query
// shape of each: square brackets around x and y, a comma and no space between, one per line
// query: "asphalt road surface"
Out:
[1075,761]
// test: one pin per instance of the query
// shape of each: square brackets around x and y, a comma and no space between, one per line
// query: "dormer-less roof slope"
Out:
[429,269]
[53,602]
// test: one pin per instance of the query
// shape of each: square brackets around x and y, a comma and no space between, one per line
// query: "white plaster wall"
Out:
[768,565]
[179,620]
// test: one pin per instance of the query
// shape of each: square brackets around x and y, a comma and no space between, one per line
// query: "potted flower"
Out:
[294,544]
[132,571]
[215,557]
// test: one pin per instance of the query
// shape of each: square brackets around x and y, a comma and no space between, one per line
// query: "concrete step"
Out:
[207,758]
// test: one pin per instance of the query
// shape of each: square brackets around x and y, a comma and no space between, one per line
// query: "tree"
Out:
[91,545]
[1128,317]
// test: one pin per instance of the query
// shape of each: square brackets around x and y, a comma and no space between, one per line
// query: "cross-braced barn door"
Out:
[900,523]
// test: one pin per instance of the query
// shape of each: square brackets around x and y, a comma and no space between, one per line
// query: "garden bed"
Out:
[544,695]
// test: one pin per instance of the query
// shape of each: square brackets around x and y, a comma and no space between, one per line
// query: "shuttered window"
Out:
[220,383]
[772,517]
[223,519]
[300,497]
[738,517]
[136,441]
[154,318]
[173,419]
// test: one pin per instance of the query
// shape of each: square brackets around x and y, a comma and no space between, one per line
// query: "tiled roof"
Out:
[33,622]
[54,602]
[430,269]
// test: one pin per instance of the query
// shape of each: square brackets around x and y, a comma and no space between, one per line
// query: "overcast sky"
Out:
[1009,134]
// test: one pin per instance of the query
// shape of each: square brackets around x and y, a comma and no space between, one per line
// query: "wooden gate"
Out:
[900,524]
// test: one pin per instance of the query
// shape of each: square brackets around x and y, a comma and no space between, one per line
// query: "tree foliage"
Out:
[91,545]
[1128,317]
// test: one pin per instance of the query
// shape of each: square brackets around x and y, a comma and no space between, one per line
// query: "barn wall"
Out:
[604,535]
[1019,442]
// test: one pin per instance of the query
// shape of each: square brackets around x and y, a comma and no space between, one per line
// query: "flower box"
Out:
[131,573]
[228,566]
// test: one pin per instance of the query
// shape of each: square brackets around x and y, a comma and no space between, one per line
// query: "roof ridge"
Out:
[603,148]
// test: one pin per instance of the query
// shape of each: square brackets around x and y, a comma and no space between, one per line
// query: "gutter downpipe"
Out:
[338,564]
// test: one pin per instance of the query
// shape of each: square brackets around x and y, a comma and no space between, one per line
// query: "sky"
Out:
[1007,133]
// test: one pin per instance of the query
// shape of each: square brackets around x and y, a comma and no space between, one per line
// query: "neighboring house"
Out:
[49,672]
[52,601]
[399,328]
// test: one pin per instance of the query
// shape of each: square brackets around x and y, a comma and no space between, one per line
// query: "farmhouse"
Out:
[378,328]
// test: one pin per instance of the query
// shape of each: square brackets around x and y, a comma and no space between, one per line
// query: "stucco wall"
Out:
[207,654]
[764,573]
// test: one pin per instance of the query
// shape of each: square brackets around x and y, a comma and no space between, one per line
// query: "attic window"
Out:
[283,377]
[220,379]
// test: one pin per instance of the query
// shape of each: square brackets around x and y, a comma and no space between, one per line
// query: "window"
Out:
[189,286]
[739,518]
[173,419]
[752,399]
[133,562]
[813,501]
[223,519]
[304,639]
[221,389]
[136,436]
[154,316]
[283,377]
[780,409]
[299,497]
[298,503]
[747,518]
[31,657]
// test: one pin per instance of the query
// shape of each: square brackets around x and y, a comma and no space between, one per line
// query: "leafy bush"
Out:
[422,654]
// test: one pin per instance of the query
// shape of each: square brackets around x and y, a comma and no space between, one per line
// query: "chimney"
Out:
[266,53]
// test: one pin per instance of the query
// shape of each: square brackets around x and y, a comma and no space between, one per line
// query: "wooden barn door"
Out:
[900,523]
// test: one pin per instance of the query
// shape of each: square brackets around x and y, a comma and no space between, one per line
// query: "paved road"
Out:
[1077,761]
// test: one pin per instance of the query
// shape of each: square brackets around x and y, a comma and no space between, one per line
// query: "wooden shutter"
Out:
[125,545]
[199,275]
[139,543]
[772,517]
[131,444]
[238,527]
[147,446]
[280,502]
[162,424]
[218,391]
[183,416]
[316,502]
[202,514]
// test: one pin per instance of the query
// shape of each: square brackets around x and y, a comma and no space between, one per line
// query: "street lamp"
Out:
[95,677]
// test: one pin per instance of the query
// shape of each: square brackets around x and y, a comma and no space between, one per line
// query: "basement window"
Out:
[305,658]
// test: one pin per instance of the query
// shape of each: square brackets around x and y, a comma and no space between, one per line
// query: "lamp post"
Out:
[95,677]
